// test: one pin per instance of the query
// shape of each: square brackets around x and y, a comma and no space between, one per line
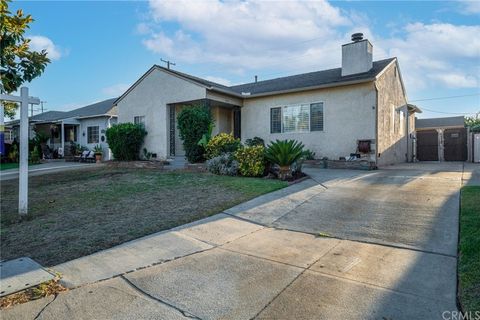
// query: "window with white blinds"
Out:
[297,118]
[316,116]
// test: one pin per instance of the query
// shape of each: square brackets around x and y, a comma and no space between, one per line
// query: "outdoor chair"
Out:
[83,156]
[90,157]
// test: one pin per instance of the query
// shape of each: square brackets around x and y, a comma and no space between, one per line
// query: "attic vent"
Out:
[357,37]
[245,93]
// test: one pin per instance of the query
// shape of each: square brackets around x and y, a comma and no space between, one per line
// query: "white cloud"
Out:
[115,90]
[249,37]
[437,54]
[469,7]
[39,43]
[219,80]
[249,33]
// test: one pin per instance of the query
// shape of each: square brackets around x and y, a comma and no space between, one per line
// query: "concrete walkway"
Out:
[268,258]
[46,168]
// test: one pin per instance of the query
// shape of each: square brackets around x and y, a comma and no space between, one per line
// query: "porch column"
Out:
[63,138]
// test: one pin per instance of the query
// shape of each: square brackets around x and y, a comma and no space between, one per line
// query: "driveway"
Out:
[413,206]
[343,245]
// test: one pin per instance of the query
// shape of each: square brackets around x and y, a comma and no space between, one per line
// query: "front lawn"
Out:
[76,213]
[469,260]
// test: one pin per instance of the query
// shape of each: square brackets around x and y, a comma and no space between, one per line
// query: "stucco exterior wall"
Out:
[223,120]
[349,115]
[150,98]
[392,119]
[82,134]
[224,98]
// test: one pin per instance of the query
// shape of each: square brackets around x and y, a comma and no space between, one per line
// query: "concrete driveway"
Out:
[414,206]
[269,258]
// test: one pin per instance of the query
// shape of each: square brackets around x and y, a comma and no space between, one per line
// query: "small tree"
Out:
[473,123]
[18,64]
[125,140]
[193,123]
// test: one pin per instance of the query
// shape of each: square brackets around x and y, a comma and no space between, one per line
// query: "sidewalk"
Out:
[45,168]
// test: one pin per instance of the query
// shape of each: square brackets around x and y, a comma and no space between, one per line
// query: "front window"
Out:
[92,134]
[297,118]
[139,120]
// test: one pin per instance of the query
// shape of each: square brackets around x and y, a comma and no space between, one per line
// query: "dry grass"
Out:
[77,213]
[45,289]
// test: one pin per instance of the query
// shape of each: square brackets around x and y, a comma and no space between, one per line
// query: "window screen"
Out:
[316,116]
[275,120]
[92,134]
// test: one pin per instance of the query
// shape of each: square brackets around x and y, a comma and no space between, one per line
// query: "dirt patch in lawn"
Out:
[77,213]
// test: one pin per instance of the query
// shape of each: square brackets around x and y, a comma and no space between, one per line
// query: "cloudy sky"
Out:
[98,49]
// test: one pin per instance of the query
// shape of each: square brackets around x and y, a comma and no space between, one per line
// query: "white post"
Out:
[63,139]
[23,174]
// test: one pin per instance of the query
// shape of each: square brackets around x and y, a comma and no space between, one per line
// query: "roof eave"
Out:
[414,108]
[96,116]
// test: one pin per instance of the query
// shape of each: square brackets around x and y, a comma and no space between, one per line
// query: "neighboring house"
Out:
[85,126]
[441,139]
[360,107]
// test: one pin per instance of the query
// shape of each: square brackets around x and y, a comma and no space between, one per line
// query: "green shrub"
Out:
[34,155]
[255,141]
[125,140]
[308,155]
[14,154]
[225,164]
[193,123]
[221,143]
[251,161]
[284,153]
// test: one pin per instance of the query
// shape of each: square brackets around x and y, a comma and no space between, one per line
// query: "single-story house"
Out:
[441,139]
[360,107]
[85,126]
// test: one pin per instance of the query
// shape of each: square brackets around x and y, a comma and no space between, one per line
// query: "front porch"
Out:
[226,116]
[61,135]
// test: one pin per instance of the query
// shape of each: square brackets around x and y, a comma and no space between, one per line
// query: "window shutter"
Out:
[276,120]
[316,116]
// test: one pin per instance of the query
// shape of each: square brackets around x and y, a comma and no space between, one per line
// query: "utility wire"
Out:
[449,97]
[457,113]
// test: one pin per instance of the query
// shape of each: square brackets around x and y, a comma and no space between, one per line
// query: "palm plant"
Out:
[284,153]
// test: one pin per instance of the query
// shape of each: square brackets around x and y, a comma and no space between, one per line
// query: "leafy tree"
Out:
[473,123]
[193,123]
[19,64]
[125,140]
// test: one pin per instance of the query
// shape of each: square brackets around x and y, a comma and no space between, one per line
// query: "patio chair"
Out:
[90,157]
[83,156]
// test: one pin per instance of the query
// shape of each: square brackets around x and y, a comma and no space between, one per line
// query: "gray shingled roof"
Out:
[440,122]
[299,81]
[310,79]
[99,108]
[196,79]
[49,116]
[102,107]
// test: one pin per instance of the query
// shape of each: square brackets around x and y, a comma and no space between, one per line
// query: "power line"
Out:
[443,112]
[449,97]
